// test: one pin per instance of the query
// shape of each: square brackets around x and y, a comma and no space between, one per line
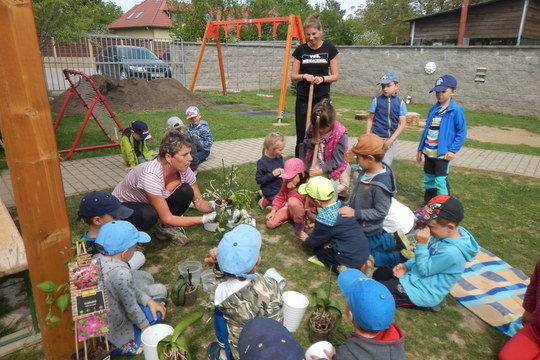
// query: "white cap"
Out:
[174,122]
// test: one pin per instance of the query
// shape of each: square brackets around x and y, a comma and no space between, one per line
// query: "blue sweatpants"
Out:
[380,243]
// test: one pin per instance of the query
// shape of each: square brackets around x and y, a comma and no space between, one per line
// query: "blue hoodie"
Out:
[436,268]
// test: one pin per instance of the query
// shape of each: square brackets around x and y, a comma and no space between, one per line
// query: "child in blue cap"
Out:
[133,144]
[244,294]
[131,310]
[371,309]
[200,130]
[387,115]
[443,137]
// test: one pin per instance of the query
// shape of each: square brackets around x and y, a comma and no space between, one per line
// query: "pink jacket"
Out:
[284,194]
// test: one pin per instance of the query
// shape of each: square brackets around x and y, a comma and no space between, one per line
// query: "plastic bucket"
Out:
[151,337]
[294,308]
[194,269]
[317,350]
[208,279]
[272,273]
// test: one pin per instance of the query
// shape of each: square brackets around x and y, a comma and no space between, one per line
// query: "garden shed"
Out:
[493,22]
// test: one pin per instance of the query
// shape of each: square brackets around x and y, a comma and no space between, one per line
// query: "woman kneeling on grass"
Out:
[163,189]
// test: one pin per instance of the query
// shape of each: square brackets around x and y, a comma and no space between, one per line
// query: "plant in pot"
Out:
[231,200]
[183,292]
[175,346]
[325,316]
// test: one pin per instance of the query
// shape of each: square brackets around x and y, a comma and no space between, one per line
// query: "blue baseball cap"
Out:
[238,250]
[141,129]
[118,236]
[388,77]
[192,111]
[98,203]
[371,303]
[267,339]
[444,82]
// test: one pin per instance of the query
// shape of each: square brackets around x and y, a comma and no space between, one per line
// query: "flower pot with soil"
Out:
[184,292]
[325,316]
[175,346]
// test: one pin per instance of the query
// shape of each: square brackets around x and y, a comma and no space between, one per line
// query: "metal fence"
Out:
[87,55]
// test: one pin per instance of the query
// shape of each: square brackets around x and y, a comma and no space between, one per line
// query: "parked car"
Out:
[166,56]
[122,62]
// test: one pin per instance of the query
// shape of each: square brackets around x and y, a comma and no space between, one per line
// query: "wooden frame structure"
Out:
[294,30]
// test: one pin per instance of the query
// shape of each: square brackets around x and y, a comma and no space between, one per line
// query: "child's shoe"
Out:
[405,255]
[369,267]
[437,307]
[215,351]
[265,204]
[175,234]
[341,268]
[402,242]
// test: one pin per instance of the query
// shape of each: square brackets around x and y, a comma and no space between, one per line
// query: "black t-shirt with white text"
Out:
[316,63]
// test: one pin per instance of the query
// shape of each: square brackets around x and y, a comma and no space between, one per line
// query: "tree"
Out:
[67,20]
[336,30]
[428,7]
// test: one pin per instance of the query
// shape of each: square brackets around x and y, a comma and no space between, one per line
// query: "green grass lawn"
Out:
[222,121]
[501,211]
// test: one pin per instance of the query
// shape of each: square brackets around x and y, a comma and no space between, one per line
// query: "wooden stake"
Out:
[27,130]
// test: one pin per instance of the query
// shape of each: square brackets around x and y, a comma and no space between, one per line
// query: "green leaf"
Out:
[63,301]
[54,319]
[49,300]
[182,325]
[47,286]
[162,345]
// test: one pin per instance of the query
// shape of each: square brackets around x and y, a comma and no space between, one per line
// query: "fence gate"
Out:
[81,55]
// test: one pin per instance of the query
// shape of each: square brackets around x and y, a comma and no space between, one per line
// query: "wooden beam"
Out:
[27,130]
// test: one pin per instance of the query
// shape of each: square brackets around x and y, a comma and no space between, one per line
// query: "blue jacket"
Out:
[436,267]
[386,115]
[202,133]
[345,236]
[452,132]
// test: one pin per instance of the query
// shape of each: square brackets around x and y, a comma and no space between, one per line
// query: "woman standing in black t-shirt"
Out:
[311,63]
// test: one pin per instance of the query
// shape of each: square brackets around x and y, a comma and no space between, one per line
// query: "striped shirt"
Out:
[148,178]
[431,144]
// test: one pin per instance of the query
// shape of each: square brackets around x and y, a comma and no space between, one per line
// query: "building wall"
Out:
[512,83]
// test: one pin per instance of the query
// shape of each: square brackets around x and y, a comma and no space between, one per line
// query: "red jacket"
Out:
[284,194]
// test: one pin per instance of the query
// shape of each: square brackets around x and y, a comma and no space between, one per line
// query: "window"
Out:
[138,15]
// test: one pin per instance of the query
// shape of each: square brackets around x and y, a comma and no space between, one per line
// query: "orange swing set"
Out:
[294,30]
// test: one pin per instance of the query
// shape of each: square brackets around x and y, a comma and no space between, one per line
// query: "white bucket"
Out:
[294,308]
[151,337]
[272,273]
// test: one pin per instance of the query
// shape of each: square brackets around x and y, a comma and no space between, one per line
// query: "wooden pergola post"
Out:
[29,141]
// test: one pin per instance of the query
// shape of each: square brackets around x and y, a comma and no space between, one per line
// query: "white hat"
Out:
[174,122]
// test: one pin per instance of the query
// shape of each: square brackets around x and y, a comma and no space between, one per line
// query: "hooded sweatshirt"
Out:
[436,267]
[343,234]
[371,200]
[387,345]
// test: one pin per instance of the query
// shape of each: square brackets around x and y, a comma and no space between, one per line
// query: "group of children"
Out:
[135,150]
[348,237]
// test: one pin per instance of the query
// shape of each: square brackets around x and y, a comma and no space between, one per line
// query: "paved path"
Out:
[81,176]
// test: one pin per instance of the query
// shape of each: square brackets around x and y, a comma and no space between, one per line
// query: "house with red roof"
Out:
[150,18]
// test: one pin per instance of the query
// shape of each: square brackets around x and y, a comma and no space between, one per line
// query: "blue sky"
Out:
[345,4]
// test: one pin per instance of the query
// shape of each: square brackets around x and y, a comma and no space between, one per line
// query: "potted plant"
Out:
[183,292]
[325,316]
[175,346]
[231,200]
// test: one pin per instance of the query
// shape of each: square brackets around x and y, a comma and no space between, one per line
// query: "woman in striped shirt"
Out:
[163,189]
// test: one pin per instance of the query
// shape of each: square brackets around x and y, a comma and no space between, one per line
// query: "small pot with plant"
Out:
[231,200]
[325,316]
[175,346]
[183,292]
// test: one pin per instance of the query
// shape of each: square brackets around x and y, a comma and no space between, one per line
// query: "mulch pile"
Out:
[136,95]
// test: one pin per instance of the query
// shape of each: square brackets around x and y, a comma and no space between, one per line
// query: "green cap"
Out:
[318,187]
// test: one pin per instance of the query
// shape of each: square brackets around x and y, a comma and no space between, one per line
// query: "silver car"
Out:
[122,62]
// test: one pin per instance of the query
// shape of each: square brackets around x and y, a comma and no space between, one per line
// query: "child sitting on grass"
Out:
[288,203]
[244,294]
[370,201]
[269,168]
[133,144]
[371,309]
[338,241]
[131,310]
[443,247]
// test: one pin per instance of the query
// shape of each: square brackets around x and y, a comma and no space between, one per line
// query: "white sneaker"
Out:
[175,234]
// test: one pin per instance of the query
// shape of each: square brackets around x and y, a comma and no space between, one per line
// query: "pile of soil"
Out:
[136,95]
